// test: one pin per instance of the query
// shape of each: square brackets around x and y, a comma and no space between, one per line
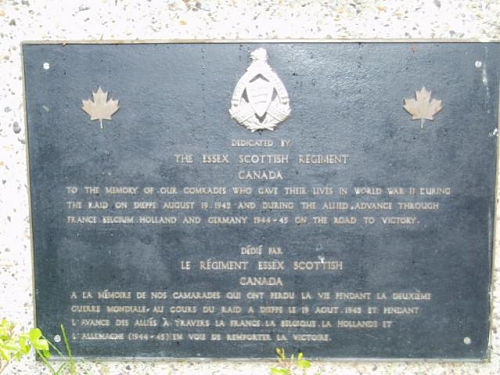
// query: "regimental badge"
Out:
[260,100]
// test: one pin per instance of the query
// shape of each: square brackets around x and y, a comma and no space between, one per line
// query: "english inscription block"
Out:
[222,200]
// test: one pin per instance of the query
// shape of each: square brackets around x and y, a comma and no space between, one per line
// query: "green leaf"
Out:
[66,342]
[24,344]
[4,333]
[18,355]
[281,353]
[46,353]
[5,354]
[37,339]
[35,334]
[304,363]
[280,371]
[11,346]
[6,329]
[41,344]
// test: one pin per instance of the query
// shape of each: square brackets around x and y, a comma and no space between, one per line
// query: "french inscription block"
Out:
[222,200]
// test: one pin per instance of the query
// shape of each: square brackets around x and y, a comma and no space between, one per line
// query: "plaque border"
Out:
[494,241]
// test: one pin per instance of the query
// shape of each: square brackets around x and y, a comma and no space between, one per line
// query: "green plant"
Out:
[291,365]
[14,346]
[69,365]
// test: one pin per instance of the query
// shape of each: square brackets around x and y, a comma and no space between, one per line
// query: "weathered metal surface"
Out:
[344,210]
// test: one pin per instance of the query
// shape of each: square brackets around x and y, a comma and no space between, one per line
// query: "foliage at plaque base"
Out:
[14,346]
[291,365]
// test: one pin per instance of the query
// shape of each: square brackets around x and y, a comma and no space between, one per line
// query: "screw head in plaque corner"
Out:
[260,100]
[100,108]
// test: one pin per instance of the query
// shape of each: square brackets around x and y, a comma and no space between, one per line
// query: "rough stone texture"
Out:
[96,20]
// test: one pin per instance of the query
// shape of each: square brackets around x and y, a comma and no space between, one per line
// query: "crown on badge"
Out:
[259,54]
[260,100]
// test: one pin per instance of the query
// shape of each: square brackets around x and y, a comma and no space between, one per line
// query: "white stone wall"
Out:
[163,20]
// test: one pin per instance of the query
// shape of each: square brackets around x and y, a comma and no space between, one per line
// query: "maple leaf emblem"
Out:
[423,108]
[100,108]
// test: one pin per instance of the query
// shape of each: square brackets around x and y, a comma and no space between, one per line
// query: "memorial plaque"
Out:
[220,200]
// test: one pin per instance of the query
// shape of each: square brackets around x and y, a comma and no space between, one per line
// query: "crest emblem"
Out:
[260,100]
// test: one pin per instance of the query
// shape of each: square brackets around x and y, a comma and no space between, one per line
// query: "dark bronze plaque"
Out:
[222,200]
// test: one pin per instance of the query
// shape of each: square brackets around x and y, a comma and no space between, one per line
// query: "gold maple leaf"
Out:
[101,108]
[423,108]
